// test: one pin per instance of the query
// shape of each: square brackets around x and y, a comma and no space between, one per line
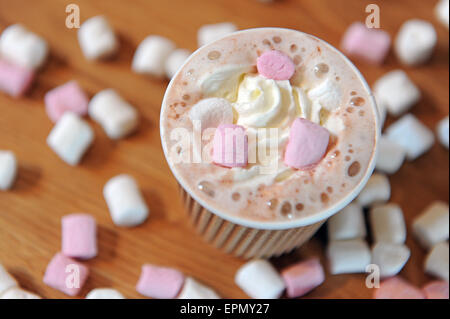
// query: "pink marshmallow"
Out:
[66,274]
[397,288]
[436,290]
[14,80]
[67,97]
[230,146]
[371,45]
[303,277]
[275,65]
[307,145]
[159,282]
[79,236]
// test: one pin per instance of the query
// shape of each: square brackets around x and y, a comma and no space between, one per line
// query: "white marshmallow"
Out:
[432,225]
[125,201]
[377,190]
[412,135]
[382,110]
[442,131]
[175,60]
[415,42]
[325,94]
[212,112]
[22,47]
[151,55]
[260,280]
[8,169]
[104,293]
[390,156]
[442,12]
[387,224]
[117,117]
[397,92]
[18,293]
[70,138]
[390,257]
[347,224]
[193,289]
[6,280]
[348,256]
[436,262]
[97,39]
[211,32]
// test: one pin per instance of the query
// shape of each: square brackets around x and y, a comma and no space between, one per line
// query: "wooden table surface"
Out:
[48,189]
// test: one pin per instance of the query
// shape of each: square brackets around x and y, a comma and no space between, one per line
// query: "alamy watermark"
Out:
[373,19]
[73,16]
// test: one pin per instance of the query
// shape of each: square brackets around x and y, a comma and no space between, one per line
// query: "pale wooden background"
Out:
[47,188]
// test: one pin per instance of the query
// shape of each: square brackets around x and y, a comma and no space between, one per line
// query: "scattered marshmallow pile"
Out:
[168,283]
[72,136]
[9,288]
[260,280]
[431,229]
[157,56]
[22,53]
[348,252]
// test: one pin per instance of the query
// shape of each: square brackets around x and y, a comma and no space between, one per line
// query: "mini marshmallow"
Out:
[303,277]
[8,169]
[151,55]
[368,44]
[22,47]
[211,113]
[230,146]
[66,275]
[382,110]
[415,42]
[117,117]
[390,258]
[436,262]
[6,280]
[412,135]
[18,293]
[397,288]
[431,226]
[104,293]
[442,12]
[159,282]
[442,131]
[307,145]
[436,290]
[377,190]
[97,39]
[79,236]
[175,60]
[387,224]
[390,156]
[67,97]
[397,92]
[212,32]
[347,224]
[70,138]
[348,256]
[260,280]
[193,289]
[275,65]
[125,201]
[14,80]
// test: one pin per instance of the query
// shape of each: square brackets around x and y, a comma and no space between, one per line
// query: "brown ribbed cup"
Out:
[242,241]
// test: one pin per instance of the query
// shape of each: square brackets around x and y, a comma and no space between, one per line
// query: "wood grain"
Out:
[47,188]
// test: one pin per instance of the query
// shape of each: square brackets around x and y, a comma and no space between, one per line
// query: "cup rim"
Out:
[283,224]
